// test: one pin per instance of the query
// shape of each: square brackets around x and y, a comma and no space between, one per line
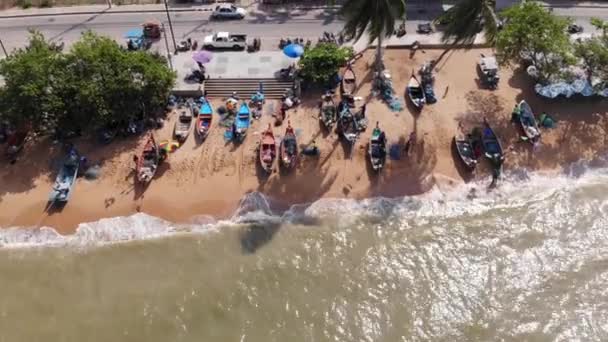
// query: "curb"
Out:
[16,16]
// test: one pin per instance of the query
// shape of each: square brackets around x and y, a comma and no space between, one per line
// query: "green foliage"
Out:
[95,84]
[31,86]
[532,35]
[320,63]
[601,25]
[45,3]
[25,4]
[376,17]
[594,54]
[467,18]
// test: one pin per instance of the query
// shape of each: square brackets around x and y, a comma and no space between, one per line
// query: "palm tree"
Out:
[467,18]
[376,17]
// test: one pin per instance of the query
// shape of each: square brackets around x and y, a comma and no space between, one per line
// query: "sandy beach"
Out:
[210,178]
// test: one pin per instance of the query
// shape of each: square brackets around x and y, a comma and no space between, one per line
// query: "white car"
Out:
[225,40]
[228,11]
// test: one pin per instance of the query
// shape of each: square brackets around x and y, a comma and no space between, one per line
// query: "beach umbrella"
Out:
[169,145]
[134,33]
[293,50]
[202,56]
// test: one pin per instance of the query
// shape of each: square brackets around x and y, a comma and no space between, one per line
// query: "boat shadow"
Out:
[256,235]
[53,208]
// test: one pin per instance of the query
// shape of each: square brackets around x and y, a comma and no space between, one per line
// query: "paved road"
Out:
[269,26]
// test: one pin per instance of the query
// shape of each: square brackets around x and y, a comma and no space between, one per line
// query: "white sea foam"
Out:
[518,188]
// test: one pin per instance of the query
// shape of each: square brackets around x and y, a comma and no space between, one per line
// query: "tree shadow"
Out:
[78,25]
[197,29]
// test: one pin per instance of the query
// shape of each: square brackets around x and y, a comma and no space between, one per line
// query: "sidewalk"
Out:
[96,9]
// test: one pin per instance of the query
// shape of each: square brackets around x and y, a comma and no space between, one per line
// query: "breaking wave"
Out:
[518,188]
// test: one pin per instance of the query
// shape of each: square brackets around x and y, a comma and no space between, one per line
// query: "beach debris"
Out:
[93,172]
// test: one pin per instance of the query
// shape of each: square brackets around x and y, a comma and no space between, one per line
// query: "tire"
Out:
[236,47]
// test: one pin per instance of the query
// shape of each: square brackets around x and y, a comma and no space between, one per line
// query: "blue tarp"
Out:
[578,86]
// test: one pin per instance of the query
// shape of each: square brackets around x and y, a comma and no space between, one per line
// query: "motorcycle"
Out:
[424,28]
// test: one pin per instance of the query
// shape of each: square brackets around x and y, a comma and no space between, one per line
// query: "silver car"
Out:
[228,11]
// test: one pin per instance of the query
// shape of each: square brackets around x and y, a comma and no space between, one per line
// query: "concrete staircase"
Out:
[223,87]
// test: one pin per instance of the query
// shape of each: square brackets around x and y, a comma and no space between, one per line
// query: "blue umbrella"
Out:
[134,33]
[293,50]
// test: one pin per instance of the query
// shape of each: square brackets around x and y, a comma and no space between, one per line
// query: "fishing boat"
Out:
[377,149]
[465,149]
[328,110]
[415,92]
[348,84]
[62,189]
[289,148]
[242,122]
[205,116]
[148,161]
[183,123]
[528,122]
[268,150]
[491,144]
[347,126]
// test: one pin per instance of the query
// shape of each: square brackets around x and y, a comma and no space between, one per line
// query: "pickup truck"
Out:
[225,40]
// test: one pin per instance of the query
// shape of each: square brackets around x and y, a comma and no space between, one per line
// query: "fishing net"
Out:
[384,85]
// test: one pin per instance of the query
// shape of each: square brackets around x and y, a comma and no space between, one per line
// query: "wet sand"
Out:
[210,178]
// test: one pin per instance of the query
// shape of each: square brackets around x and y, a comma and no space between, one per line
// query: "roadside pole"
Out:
[171,27]
[3,49]
[167,46]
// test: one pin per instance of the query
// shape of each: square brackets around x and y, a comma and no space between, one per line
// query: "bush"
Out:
[45,4]
[25,4]
[320,63]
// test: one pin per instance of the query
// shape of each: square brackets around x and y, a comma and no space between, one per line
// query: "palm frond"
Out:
[469,17]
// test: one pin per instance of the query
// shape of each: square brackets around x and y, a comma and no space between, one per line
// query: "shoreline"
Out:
[211,178]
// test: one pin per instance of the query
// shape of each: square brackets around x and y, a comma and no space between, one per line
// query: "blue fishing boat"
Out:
[242,122]
[64,182]
[205,117]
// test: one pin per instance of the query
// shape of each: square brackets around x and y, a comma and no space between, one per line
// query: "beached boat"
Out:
[242,122]
[62,189]
[289,148]
[416,93]
[491,144]
[347,126]
[205,116]
[148,161]
[528,122]
[328,111]
[183,123]
[377,149]
[348,84]
[464,147]
[268,149]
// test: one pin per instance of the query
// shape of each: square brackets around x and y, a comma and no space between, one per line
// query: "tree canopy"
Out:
[95,84]
[594,55]
[320,63]
[376,17]
[533,35]
[469,17]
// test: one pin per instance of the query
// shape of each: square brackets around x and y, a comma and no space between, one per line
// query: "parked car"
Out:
[225,40]
[228,11]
